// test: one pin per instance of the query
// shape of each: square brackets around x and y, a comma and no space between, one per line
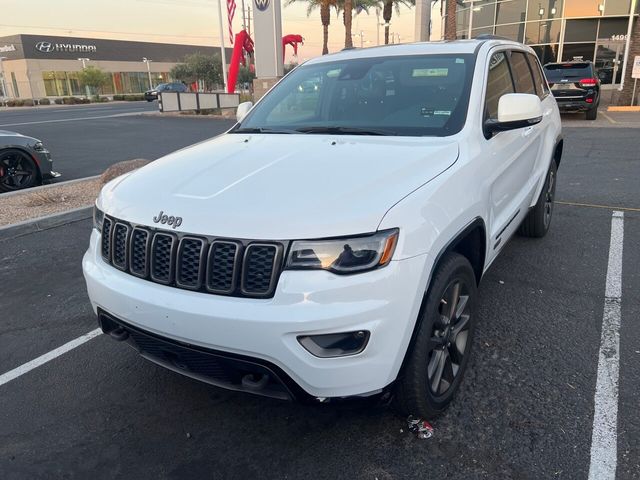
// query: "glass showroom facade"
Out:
[558,30]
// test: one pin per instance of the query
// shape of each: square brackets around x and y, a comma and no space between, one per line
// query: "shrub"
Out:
[135,97]
[15,103]
[44,101]
[118,98]
[27,103]
[59,101]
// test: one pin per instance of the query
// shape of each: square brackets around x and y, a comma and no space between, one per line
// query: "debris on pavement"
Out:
[420,427]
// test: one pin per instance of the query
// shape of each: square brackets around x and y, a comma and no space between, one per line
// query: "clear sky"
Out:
[181,21]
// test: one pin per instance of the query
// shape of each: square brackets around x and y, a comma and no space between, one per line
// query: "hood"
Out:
[279,187]
[7,133]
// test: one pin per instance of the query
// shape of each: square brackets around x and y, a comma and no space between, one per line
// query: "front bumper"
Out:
[384,302]
[45,163]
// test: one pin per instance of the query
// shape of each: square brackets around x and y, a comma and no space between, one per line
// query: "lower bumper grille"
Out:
[233,372]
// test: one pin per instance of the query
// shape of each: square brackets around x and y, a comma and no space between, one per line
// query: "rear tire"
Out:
[435,365]
[592,114]
[537,222]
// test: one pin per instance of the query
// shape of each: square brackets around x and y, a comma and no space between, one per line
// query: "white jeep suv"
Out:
[330,244]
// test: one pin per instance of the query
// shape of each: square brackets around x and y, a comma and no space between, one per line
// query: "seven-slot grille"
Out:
[225,267]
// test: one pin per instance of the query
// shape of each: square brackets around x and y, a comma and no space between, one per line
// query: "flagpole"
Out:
[222,49]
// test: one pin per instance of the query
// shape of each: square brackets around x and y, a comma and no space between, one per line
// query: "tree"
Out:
[387,10]
[325,17]
[450,23]
[347,16]
[634,50]
[201,68]
[93,78]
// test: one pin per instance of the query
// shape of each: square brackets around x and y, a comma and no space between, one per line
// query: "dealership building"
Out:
[37,66]
[558,30]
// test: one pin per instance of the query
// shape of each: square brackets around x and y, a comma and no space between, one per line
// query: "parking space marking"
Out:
[76,119]
[604,439]
[592,205]
[47,357]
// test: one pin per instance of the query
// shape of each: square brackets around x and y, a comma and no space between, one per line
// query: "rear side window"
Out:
[522,73]
[538,77]
[499,83]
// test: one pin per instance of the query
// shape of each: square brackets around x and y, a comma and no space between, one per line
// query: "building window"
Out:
[583,8]
[514,31]
[511,11]
[546,53]
[544,9]
[484,14]
[617,7]
[611,27]
[543,32]
[581,30]
[584,50]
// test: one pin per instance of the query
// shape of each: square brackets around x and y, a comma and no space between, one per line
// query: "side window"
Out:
[499,83]
[538,77]
[522,73]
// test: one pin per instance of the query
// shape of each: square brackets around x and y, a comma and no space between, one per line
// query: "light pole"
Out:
[4,84]
[84,65]
[223,54]
[148,62]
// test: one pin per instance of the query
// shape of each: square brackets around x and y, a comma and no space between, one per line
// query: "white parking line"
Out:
[47,357]
[77,119]
[604,439]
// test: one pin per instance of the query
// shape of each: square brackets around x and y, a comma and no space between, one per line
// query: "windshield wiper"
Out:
[346,131]
[264,130]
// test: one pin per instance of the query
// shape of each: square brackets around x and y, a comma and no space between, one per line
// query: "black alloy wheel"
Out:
[17,170]
[449,337]
[436,361]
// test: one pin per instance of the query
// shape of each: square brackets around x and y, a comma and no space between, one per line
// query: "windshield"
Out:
[404,95]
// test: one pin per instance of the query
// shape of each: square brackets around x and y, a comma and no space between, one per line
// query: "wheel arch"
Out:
[470,241]
[557,151]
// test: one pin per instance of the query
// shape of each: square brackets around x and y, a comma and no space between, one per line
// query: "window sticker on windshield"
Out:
[442,112]
[426,112]
[459,60]
[430,72]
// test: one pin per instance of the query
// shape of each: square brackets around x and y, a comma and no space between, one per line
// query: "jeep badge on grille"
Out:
[162,218]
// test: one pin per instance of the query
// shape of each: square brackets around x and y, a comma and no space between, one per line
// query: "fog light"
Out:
[335,344]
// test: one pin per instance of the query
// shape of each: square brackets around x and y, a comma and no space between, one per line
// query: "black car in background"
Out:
[151,95]
[575,85]
[24,162]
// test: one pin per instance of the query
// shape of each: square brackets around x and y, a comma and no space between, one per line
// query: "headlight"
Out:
[38,147]
[344,255]
[98,217]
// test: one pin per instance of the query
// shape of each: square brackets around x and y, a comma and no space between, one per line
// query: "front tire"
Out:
[17,170]
[537,222]
[436,363]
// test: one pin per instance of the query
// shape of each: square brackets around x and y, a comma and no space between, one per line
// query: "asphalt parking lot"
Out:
[86,139]
[525,410]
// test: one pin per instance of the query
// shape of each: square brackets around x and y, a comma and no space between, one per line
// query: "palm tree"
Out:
[347,7]
[450,23]
[325,17]
[387,10]
[634,50]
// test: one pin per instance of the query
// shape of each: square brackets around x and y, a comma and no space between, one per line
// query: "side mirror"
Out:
[242,110]
[515,110]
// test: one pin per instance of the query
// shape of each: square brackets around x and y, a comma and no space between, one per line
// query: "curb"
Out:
[46,186]
[623,109]
[45,223]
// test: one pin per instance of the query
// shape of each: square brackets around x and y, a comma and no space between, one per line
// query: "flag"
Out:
[231,11]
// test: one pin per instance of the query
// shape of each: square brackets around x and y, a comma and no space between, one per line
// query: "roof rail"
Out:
[489,36]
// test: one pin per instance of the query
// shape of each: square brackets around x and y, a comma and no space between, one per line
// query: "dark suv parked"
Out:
[576,86]
[151,95]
